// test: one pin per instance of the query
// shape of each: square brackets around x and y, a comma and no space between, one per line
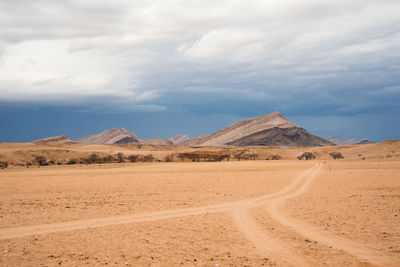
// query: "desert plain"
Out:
[286,212]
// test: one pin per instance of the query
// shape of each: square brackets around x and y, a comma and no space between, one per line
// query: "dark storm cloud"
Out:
[238,58]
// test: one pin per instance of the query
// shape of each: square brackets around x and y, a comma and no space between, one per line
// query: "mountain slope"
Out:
[272,129]
[340,142]
[113,136]
[56,140]
[292,137]
[179,139]
[242,129]
[156,141]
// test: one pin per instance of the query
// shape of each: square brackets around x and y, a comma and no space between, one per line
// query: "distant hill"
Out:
[54,141]
[292,137]
[113,136]
[340,142]
[272,129]
[179,139]
[156,141]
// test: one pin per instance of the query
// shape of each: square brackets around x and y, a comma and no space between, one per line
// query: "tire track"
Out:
[275,208]
[24,231]
[264,243]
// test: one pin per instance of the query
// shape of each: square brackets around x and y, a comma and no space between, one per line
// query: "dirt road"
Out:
[266,243]
[255,219]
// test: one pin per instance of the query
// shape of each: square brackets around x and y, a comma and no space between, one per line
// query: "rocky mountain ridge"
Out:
[272,129]
[244,128]
[291,137]
[113,136]
[341,142]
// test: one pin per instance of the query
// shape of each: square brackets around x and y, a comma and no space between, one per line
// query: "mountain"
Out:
[156,141]
[245,128]
[340,142]
[56,140]
[292,137]
[179,139]
[196,140]
[272,129]
[113,136]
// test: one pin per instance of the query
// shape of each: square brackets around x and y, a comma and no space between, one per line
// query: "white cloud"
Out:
[227,45]
[130,52]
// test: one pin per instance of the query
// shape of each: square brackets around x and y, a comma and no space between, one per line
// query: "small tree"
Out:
[276,157]
[109,159]
[307,156]
[133,158]
[168,158]
[253,156]
[41,161]
[94,158]
[181,156]
[336,155]
[72,162]
[148,158]
[238,156]
[120,157]
[3,164]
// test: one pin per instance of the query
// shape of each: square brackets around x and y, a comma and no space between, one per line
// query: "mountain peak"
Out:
[117,130]
[247,127]
[178,139]
[113,136]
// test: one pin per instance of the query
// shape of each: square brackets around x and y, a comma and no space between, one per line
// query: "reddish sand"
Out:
[247,213]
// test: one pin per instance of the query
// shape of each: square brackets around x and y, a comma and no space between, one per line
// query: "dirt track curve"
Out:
[264,242]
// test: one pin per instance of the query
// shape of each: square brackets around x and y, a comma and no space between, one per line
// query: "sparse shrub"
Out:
[148,158]
[203,156]
[94,158]
[109,159]
[51,162]
[41,161]
[168,158]
[245,156]
[133,158]
[363,158]
[389,155]
[336,155]
[276,157]
[238,156]
[120,157]
[307,156]
[72,162]
[3,164]
[181,156]
[222,157]
[59,163]
[253,156]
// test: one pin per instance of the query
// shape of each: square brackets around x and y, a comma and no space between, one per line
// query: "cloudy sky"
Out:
[160,68]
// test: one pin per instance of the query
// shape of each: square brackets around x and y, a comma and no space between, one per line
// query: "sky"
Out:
[161,68]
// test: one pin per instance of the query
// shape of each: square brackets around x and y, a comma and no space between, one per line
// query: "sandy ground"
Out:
[253,213]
